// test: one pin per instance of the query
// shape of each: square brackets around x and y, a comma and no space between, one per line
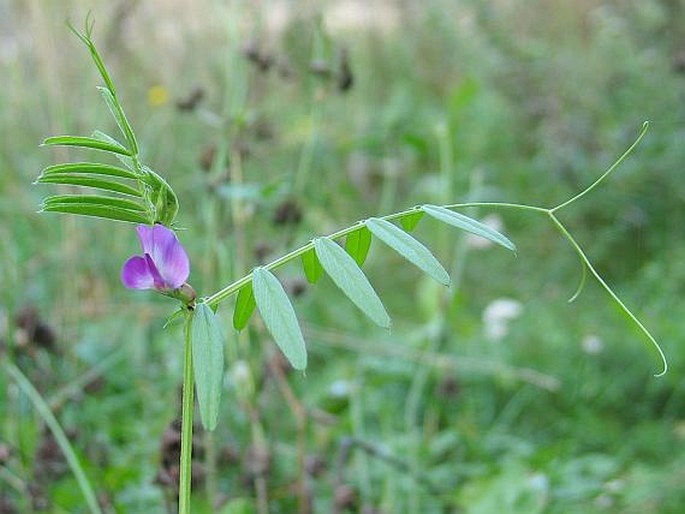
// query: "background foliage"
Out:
[276,122]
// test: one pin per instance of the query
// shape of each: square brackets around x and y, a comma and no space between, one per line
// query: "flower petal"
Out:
[156,277]
[167,253]
[136,274]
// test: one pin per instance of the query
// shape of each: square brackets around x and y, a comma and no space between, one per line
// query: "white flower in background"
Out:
[592,344]
[498,314]
[341,388]
[478,243]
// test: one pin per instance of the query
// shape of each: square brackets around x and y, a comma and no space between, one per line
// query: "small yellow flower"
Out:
[157,95]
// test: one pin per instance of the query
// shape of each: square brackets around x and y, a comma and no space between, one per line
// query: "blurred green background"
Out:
[278,121]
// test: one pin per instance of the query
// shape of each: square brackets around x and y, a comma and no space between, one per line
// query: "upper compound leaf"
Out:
[87,142]
[208,363]
[92,168]
[349,277]
[279,316]
[469,224]
[312,267]
[244,307]
[409,248]
[97,211]
[409,221]
[88,181]
[358,243]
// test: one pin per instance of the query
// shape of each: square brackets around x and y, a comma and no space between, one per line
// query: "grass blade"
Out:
[469,224]
[409,248]
[349,277]
[208,363]
[279,317]
[58,433]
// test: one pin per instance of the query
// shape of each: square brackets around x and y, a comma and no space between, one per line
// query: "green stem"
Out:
[611,293]
[59,435]
[503,205]
[186,425]
[645,127]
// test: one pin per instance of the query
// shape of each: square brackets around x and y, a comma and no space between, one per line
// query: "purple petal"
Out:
[136,274]
[167,253]
[159,281]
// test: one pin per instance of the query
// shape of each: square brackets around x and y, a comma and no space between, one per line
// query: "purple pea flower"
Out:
[164,265]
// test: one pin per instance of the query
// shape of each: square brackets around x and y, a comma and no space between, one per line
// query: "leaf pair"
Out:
[125,204]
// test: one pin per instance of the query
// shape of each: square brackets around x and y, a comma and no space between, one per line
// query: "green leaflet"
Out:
[126,161]
[120,117]
[92,168]
[349,277]
[108,201]
[409,248]
[208,363]
[358,243]
[86,142]
[312,267]
[97,211]
[87,181]
[244,307]
[279,316]
[409,221]
[470,225]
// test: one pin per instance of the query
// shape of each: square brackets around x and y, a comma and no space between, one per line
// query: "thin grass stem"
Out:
[59,435]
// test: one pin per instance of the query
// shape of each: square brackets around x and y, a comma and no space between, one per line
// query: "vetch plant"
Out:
[134,193]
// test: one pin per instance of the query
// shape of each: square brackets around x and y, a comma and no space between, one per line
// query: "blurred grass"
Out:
[532,101]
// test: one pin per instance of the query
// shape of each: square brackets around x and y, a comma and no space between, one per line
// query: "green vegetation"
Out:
[495,395]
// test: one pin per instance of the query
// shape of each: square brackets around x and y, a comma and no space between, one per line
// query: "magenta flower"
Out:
[164,265]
